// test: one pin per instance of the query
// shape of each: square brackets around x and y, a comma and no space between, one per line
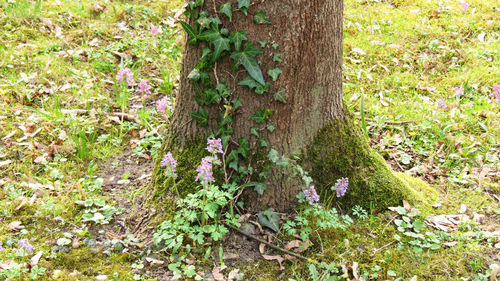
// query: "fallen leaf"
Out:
[446,222]
[5,163]
[450,244]
[292,244]
[34,260]
[494,272]
[262,247]
[279,259]
[152,261]
[355,270]
[234,274]
[15,226]
[8,264]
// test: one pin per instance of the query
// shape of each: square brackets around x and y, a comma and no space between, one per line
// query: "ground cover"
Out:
[77,143]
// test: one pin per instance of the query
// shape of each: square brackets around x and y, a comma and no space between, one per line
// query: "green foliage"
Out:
[227,10]
[261,18]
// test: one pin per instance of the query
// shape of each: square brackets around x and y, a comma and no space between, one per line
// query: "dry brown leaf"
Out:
[152,261]
[494,273]
[292,244]
[262,247]
[5,163]
[355,270]
[279,259]
[15,226]
[8,264]
[233,274]
[446,222]
[34,260]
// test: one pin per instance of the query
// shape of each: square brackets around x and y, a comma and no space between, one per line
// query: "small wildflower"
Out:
[25,244]
[1,248]
[163,104]
[122,26]
[441,104]
[125,72]
[496,92]
[341,186]
[205,174]
[311,195]
[459,91]
[214,146]
[144,87]
[168,160]
[469,104]
[155,29]
[465,6]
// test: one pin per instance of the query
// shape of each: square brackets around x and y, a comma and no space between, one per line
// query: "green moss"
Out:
[341,150]
[164,189]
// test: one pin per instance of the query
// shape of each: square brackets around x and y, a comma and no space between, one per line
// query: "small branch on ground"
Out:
[267,243]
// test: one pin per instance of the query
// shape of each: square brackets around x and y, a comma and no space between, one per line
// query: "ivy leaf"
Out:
[243,6]
[190,31]
[251,83]
[247,58]
[270,219]
[263,43]
[261,18]
[273,155]
[277,57]
[244,147]
[274,73]
[201,116]
[194,75]
[236,103]
[220,43]
[275,46]
[260,188]
[262,143]
[227,10]
[262,89]
[270,128]
[237,37]
[254,131]
[260,116]
[280,96]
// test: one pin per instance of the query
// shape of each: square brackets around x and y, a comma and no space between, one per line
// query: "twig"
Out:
[267,243]
[389,122]
[122,115]
[385,246]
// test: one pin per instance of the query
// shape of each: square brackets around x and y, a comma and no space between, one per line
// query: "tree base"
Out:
[340,150]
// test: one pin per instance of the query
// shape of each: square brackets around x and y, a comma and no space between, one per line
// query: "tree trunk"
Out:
[312,124]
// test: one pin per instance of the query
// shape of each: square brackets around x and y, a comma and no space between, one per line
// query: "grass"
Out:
[403,59]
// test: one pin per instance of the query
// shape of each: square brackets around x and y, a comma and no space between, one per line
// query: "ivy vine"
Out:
[219,42]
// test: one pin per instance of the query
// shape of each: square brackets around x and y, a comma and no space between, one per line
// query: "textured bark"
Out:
[309,34]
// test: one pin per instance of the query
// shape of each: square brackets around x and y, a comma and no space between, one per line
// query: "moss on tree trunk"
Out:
[340,150]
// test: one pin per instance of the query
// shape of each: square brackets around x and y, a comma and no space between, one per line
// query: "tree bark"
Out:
[308,34]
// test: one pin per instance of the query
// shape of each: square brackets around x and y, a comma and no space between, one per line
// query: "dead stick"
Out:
[267,243]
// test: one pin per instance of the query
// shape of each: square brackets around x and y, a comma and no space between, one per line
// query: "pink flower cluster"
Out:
[496,92]
[169,161]
[311,195]
[164,104]
[205,174]
[127,74]
[144,87]
[341,186]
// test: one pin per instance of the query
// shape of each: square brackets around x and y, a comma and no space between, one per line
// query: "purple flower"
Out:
[1,248]
[25,244]
[341,186]
[441,104]
[205,174]
[465,6]
[155,29]
[311,195]
[169,161]
[163,104]
[459,91]
[496,92]
[144,87]
[214,146]
[125,72]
